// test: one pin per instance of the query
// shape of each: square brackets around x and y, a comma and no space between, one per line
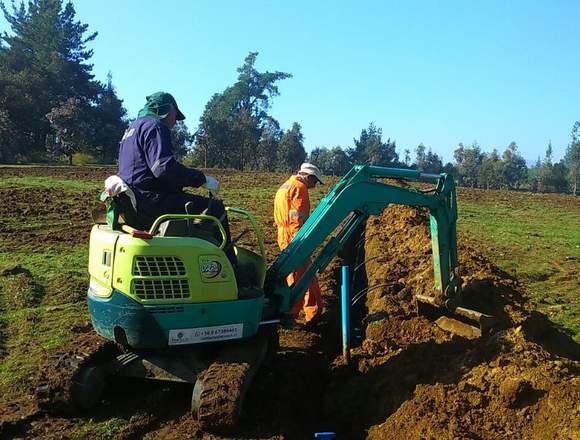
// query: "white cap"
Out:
[312,170]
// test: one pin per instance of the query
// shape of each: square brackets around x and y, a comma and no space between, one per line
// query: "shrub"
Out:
[83,159]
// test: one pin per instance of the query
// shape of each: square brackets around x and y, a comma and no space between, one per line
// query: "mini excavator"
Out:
[171,308]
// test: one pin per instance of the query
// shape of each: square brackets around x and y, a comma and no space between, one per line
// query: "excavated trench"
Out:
[356,259]
[410,379]
[288,398]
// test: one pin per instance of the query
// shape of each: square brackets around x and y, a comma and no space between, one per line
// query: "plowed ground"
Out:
[407,378]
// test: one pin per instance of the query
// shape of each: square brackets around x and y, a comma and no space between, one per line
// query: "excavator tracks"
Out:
[220,390]
[71,379]
[220,394]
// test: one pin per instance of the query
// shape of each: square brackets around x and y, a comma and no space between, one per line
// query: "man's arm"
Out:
[164,166]
[299,208]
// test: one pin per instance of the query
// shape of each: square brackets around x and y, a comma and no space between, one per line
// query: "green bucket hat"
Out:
[158,106]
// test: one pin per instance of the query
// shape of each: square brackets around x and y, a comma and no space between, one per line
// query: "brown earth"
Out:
[79,173]
[408,378]
[40,218]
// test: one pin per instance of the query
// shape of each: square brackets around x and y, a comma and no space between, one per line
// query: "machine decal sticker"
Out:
[209,268]
[205,334]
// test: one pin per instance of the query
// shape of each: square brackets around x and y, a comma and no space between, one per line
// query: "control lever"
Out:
[189,210]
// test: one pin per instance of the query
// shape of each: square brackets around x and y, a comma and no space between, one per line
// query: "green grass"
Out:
[539,244]
[104,430]
[33,332]
[51,262]
[73,185]
[28,333]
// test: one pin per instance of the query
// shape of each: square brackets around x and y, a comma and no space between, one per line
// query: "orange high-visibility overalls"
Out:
[291,209]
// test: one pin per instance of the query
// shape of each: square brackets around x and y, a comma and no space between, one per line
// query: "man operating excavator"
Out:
[291,209]
[148,166]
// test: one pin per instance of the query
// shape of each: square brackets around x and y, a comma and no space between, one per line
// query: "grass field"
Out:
[45,221]
[536,238]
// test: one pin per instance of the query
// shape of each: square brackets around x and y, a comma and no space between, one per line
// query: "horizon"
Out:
[512,79]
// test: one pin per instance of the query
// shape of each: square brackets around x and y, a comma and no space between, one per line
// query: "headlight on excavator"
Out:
[97,289]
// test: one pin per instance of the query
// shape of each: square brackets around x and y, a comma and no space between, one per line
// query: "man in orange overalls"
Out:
[291,209]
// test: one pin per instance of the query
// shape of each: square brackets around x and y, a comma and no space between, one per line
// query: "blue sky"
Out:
[437,72]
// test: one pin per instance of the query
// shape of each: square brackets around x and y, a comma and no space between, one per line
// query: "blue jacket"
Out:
[147,164]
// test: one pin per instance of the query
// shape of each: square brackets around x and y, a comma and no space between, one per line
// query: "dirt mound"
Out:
[399,264]
[409,379]
[514,390]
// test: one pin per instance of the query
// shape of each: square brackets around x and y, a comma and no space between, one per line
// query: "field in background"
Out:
[535,238]
[45,221]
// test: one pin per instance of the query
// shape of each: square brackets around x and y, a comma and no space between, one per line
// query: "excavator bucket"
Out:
[461,321]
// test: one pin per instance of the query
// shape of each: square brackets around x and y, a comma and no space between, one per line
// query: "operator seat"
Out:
[168,228]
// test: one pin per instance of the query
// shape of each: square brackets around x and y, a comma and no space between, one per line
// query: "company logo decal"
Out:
[210,268]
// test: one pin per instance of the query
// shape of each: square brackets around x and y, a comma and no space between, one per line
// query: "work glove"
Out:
[212,185]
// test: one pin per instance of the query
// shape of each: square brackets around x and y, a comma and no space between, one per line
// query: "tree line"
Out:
[471,166]
[236,131]
[51,107]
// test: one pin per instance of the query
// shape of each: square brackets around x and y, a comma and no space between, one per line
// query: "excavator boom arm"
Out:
[356,196]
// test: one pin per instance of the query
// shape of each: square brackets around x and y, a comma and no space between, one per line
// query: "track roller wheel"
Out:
[74,378]
[87,389]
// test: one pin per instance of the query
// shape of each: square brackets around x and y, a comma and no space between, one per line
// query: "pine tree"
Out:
[43,64]
[181,140]
[420,157]
[291,151]
[370,149]
[266,153]
[548,174]
[110,123]
[514,168]
[468,162]
[332,161]
[407,159]
[231,126]
[339,162]
[490,175]
[72,128]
